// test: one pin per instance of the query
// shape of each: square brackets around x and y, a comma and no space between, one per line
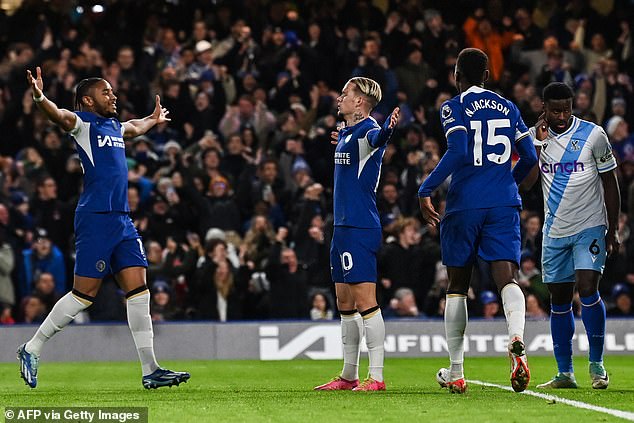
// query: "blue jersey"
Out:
[493,125]
[358,159]
[102,153]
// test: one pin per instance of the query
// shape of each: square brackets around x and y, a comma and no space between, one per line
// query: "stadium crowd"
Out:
[233,197]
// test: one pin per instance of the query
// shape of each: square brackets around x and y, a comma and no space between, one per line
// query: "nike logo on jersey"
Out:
[110,141]
[346,139]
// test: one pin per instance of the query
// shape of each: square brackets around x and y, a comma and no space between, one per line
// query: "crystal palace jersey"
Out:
[570,164]
[493,125]
[102,153]
[357,169]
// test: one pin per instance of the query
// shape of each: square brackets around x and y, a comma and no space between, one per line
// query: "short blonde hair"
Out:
[369,88]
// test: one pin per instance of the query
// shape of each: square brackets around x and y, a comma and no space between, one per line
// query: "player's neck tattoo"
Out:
[356,118]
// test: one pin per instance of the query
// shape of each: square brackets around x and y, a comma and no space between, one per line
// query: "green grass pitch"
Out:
[254,391]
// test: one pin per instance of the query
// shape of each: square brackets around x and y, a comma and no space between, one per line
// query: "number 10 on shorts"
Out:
[346,261]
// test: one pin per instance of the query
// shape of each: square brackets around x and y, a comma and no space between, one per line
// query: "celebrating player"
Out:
[106,240]
[483,206]
[581,209]
[357,232]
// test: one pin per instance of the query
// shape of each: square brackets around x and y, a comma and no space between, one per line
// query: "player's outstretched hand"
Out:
[541,127]
[36,84]
[430,215]
[160,113]
[394,117]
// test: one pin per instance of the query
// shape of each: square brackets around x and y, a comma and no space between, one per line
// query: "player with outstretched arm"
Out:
[106,240]
[357,233]
[483,208]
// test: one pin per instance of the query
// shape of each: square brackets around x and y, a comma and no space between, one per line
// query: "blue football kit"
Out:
[483,203]
[357,233]
[106,240]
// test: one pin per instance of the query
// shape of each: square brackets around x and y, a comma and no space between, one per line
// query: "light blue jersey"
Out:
[570,165]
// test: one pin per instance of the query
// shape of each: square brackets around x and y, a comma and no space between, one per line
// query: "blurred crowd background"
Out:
[233,198]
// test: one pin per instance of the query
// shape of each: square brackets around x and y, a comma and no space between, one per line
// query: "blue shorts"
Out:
[353,254]
[493,234]
[583,251]
[106,243]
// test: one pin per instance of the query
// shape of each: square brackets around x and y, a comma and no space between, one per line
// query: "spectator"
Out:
[320,308]
[162,307]
[400,261]
[289,280]
[490,304]
[402,305]
[534,308]
[7,262]
[5,315]
[43,256]
[50,214]
[32,309]
[622,301]
[45,290]
[620,138]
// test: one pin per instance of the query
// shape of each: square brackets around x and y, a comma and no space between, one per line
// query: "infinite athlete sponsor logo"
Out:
[110,141]
[563,167]
[342,158]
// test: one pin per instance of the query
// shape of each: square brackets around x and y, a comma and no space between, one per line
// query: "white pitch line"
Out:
[578,404]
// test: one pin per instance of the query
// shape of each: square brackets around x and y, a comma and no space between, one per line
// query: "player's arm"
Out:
[378,138]
[65,119]
[524,145]
[606,166]
[135,127]
[613,206]
[528,158]
[537,134]
[452,160]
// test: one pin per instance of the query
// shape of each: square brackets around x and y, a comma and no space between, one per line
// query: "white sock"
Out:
[375,340]
[351,334]
[514,309]
[455,325]
[63,312]
[138,309]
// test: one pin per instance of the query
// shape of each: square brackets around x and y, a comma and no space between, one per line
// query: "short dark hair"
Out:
[471,64]
[82,89]
[557,91]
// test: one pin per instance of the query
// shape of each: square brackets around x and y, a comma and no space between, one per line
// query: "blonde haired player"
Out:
[357,234]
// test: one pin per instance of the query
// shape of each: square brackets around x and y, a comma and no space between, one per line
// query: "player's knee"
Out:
[346,304]
[587,291]
[502,284]
[83,297]
[136,291]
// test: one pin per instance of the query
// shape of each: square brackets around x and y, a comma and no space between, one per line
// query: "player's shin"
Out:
[514,309]
[140,322]
[375,340]
[593,317]
[455,326]
[64,311]
[562,328]
[351,334]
